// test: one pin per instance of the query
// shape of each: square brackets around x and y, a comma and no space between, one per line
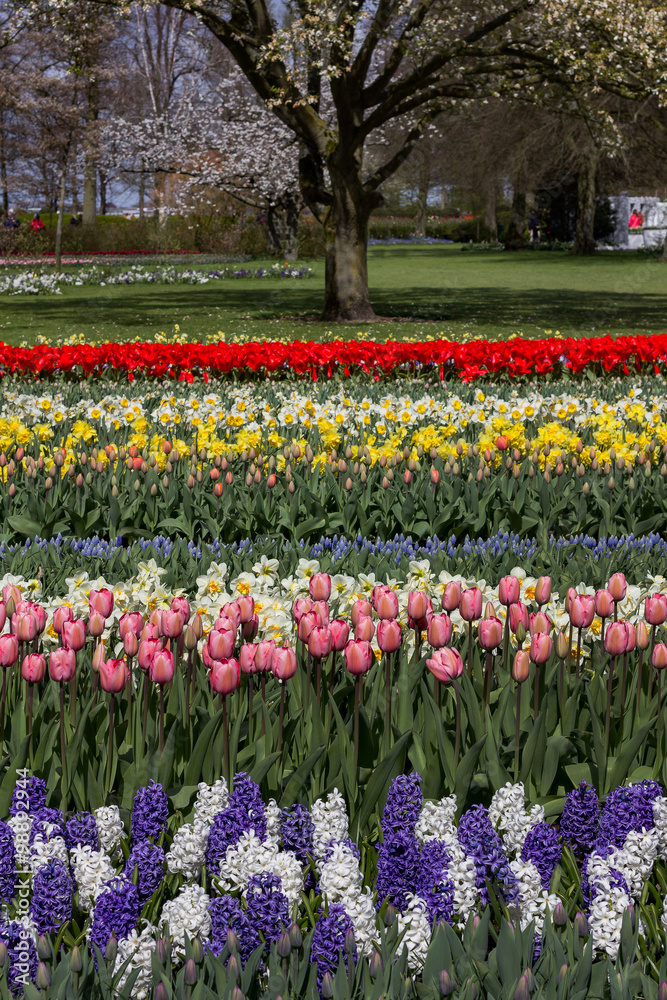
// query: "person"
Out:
[534,227]
[640,219]
[75,220]
[7,222]
[634,222]
[37,225]
[15,222]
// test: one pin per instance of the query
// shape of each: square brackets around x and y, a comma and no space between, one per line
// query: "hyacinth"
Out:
[109,827]
[590,882]
[579,819]
[80,830]
[478,838]
[268,909]
[116,911]
[542,847]
[403,805]
[328,941]
[433,883]
[148,860]
[247,798]
[626,809]
[227,915]
[47,815]
[20,949]
[150,812]
[347,842]
[398,861]
[52,892]
[28,795]
[225,831]
[296,831]
[7,863]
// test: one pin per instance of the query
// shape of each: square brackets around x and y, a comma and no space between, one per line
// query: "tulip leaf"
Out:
[299,778]
[378,783]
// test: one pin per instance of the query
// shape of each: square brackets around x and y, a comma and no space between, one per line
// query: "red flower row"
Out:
[124,253]
[469,361]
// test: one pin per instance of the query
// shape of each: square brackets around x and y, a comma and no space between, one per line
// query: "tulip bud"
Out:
[284,945]
[43,948]
[562,972]
[327,988]
[659,658]
[562,645]
[543,590]
[560,916]
[111,950]
[43,977]
[581,923]
[642,636]
[522,992]
[161,990]
[662,990]
[75,960]
[521,667]
[375,966]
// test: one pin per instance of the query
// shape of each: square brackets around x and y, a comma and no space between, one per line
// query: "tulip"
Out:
[439,631]
[659,658]
[247,655]
[96,623]
[365,629]
[340,633]
[9,650]
[284,663]
[302,606]
[250,629]
[446,665]
[582,610]
[569,597]
[655,609]
[361,608]
[182,604]
[470,604]
[74,634]
[264,655]
[147,650]
[130,644]
[418,605]
[509,590]
[33,668]
[61,615]
[541,647]
[233,611]
[101,601]
[10,592]
[319,642]
[321,609]
[246,606]
[225,676]
[221,644]
[389,635]
[307,623]
[451,596]
[538,622]
[521,666]
[172,624]
[358,656]
[161,669]
[617,587]
[62,664]
[386,604]
[490,633]
[518,613]
[543,590]
[24,625]
[132,622]
[114,675]
[35,609]
[149,631]
[224,624]
[632,636]
[604,604]
[99,656]
[319,586]
[616,638]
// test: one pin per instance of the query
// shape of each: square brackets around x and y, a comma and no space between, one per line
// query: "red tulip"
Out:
[74,634]
[543,590]
[131,621]
[509,590]
[365,630]
[225,676]
[541,647]
[319,586]
[358,656]
[9,650]
[389,635]
[518,613]
[33,668]
[451,596]
[439,631]
[582,610]
[616,638]
[655,609]
[101,601]
[340,633]
[62,664]
[319,642]
[521,665]
[446,665]
[470,604]
[321,609]
[61,615]
[221,644]
[617,586]
[161,669]
[359,608]
[490,633]
[264,655]
[284,663]
[147,650]
[114,675]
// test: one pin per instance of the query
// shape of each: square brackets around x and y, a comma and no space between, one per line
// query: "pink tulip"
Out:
[130,644]
[149,631]
[147,650]
[616,638]
[451,596]
[225,676]
[539,622]
[521,665]
[221,644]
[233,611]
[131,621]
[359,608]
[247,658]
[655,609]
[9,650]
[246,605]
[543,590]
[284,663]
[302,606]
[3,615]
[224,624]
[321,609]
[74,634]
[386,604]
[490,633]
[99,657]
[61,615]
[10,592]
[101,601]
[182,604]
[632,637]
[155,618]
[509,590]
[62,664]
[439,631]
[541,647]
[659,658]
[582,610]
[470,604]
[264,655]
[642,635]
[319,586]
[418,605]
[358,656]
[33,668]
[307,623]
[365,630]
[340,633]
[617,586]
[446,665]
[24,625]
[250,629]
[389,635]
[569,597]
[114,675]
[172,624]
[37,610]
[518,613]
[604,604]
[96,623]
[161,669]
[319,642]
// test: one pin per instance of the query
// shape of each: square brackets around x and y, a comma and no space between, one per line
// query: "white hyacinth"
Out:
[608,904]
[272,813]
[187,914]
[91,869]
[436,819]
[635,859]
[341,882]
[49,843]
[211,799]
[463,874]
[417,927]
[188,850]
[508,814]
[109,828]
[660,820]
[138,947]
[534,899]
[330,821]
[252,857]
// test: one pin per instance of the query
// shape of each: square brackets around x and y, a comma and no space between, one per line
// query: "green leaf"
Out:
[378,783]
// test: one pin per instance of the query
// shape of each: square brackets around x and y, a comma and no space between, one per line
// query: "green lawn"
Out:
[440,291]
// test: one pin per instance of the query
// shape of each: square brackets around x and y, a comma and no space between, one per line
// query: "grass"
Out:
[421,292]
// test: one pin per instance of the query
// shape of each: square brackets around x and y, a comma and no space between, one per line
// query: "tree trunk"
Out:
[584,243]
[422,197]
[103,193]
[142,195]
[490,220]
[346,294]
[89,217]
[282,223]
[514,238]
[3,167]
[62,183]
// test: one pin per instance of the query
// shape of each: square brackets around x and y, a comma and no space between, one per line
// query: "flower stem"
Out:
[225,738]
[357,697]
[111,703]
[62,738]
[610,681]
[517,733]
[281,715]
[457,744]
[161,717]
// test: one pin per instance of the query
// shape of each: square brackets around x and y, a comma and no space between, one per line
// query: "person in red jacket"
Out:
[36,223]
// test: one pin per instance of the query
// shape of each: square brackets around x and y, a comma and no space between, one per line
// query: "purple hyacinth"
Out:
[148,859]
[433,882]
[626,809]
[52,892]
[268,909]
[150,812]
[226,828]
[616,880]
[28,795]
[579,819]
[328,942]
[403,805]
[81,831]
[48,815]
[116,912]
[46,831]
[542,847]
[397,867]
[227,915]
[22,955]
[481,842]
[7,863]
[296,831]
[247,797]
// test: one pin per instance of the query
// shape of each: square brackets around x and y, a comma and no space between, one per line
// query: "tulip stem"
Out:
[639,678]
[357,698]
[3,700]
[457,744]
[624,678]
[387,694]
[610,681]
[318,682]
[488,671]
[145,718]
[30,693]
[251,685]
[657,754]
[72,699]
[188,675]
[650,665]
[569,651]
[562,694]
[506,637]
[307,680]
[109,771]
[281,715]
[225,738]
[517,732]
[536,695]
[263,699]
[470,649]
[578,652]
[161,718]
[332,682]
[62,739]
